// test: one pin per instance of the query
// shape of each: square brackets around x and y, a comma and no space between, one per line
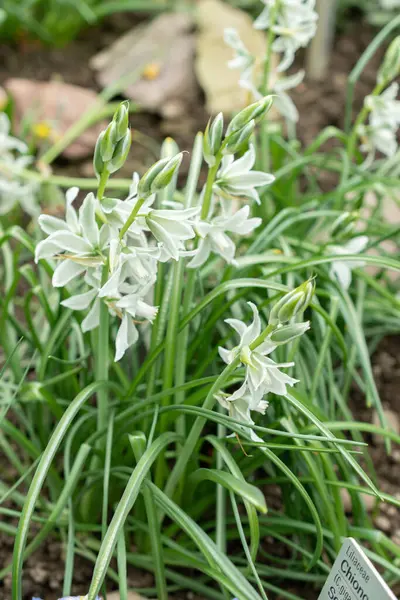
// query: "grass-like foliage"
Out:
[171,359]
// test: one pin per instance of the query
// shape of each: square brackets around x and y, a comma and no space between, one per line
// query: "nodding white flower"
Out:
[384,120]
[341,269]
[295,25]
[262,373]
[77,242]
[243,60]
[284,103]
[240,408]
[213,236]
[236,178]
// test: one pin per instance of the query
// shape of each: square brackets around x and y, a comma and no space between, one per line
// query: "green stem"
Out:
[205,209]
[83,183]
[131,217]
[102,184]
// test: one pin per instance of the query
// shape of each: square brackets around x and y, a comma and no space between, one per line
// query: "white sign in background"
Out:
[354,577]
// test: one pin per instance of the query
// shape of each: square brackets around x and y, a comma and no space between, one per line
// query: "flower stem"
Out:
[131,217]
[102,184]
[205,209]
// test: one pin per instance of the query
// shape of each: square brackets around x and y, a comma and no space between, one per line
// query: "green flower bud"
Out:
[390,67]
[121,152]
[108,142]
[121,119]
[212,139]
[344,225]
[159,175]
[255,111]
[238,139]
[98,163]
[287,333]
[292,303]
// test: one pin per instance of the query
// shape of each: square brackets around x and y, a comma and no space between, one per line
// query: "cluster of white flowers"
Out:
[380,134]
[263,375]
[294,24]
[114,246]
[14,157]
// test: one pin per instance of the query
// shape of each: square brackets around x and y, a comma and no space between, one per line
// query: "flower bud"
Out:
[254,111]
[212,139]
[344,225]
[121,152]
[390,67]
[159,175]
[98,163]
[292,303]
[238,139]
[121,119]
[108,142]
[287,333]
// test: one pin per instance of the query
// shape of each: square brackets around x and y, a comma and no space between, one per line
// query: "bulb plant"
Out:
[185,351]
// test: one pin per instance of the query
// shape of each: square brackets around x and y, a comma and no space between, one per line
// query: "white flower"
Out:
[213,237]
[240,408]
[77,242]
[390,4]
[295,25]
[341,269]
[284,103]
[13,190]
[262,373]
[243,60]
[7,142]
[236,178]
[169,227]
[384,120]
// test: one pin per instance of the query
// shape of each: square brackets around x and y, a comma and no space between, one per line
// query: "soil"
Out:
[320,104]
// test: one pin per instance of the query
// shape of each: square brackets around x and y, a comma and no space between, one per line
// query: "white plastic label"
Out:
[354,577]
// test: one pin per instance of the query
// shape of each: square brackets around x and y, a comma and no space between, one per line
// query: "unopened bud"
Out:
[292,303]
[98,163]
[108,142]
[121,119]
[255,111]
[212,139]
[237,140]
[287,333]
[159,175]
[390,67]
[121,152]
[344,225]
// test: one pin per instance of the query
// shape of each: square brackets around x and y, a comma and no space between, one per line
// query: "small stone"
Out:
[383,523]
[369,501]
[38,574]
[392,420]
[130,596]
[396,537]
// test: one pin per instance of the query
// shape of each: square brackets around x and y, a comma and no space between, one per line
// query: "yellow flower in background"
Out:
[42,130]
[151,71]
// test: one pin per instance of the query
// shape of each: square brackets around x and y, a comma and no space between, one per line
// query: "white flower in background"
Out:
[262,373]
[213,235]
[243,60]
[390,4]
[13,190]
[284,103]
[341,269]
[384,120]
[236,178]
[9,143]
[77,242]
[295,25]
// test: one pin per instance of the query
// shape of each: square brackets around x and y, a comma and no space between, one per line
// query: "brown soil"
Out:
[320,104]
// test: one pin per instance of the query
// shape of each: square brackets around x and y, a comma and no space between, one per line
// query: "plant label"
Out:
[354,577]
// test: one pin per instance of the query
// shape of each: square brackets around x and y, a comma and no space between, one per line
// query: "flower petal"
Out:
[66,271]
